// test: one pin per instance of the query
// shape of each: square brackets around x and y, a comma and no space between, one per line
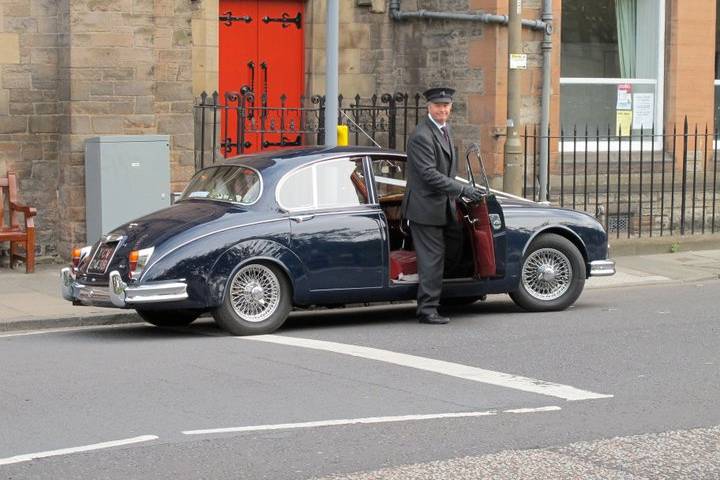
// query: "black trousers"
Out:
[438,250]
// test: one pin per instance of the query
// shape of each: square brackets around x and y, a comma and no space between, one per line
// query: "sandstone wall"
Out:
[75,69]
[29,113]
[380,55]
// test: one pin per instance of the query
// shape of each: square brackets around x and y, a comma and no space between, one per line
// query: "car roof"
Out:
[287,159]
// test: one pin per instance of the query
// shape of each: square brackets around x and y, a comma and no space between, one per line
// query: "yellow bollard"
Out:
[343,135]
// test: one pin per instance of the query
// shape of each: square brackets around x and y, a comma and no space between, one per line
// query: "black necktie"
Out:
[444,131]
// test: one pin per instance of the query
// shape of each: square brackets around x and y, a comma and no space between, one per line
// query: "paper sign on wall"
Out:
[643,106]
[518,61]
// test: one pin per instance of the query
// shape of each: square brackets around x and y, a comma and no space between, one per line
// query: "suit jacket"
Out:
[431,186]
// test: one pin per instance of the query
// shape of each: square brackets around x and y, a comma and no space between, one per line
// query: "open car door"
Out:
[484,223]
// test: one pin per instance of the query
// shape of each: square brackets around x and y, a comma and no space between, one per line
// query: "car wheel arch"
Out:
[564,232]
[262,260]
[223,269]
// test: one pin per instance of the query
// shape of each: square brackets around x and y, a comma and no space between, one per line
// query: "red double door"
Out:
[261,48]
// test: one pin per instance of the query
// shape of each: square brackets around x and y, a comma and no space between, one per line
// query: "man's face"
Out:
[440,112]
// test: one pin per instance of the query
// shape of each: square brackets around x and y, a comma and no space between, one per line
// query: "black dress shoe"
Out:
[433,319]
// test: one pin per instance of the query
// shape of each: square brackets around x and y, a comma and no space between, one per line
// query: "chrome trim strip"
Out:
[99,296]
[150,266]
[602,268]
[117,293]
[311,165]
[66,281]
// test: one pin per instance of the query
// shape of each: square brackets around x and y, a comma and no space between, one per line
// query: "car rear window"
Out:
[226,183]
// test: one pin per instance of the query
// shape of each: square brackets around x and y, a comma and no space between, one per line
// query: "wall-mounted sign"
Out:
[518,61]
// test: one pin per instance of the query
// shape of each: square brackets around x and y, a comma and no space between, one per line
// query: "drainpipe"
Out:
[512,155]
[397,14]
[547,18]
[331,72]
[544,24]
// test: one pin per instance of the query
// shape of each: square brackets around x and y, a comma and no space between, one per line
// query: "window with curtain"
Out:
[609,62]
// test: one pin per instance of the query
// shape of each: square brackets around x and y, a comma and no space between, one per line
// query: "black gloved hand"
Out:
[472,193]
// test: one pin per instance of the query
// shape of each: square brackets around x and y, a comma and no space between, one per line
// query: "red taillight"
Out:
[133,260]
[75,257]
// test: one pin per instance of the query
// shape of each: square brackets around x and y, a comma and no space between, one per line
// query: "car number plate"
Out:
[102,258]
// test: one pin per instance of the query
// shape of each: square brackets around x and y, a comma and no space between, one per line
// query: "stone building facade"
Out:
[75,69]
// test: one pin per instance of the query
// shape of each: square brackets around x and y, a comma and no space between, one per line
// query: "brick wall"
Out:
[690,69]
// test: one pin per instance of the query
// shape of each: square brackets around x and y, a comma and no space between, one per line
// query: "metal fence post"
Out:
[684,177]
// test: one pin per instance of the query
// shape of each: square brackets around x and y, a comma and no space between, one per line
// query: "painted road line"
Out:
[66,451]
[366,420]
[71,329]
[458,370]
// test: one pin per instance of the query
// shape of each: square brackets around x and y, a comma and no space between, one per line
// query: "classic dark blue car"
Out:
[257,235]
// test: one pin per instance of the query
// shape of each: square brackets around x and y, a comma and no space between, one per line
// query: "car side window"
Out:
[390,177]
[297,191]
[329,184]
[341,183]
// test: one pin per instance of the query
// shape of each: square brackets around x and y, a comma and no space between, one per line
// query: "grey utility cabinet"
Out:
[126,177]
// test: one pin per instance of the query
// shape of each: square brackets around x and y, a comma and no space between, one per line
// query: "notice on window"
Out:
[643,109]
[624,96]
[623,122]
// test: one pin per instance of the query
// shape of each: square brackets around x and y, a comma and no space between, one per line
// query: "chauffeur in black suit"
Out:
[429,201]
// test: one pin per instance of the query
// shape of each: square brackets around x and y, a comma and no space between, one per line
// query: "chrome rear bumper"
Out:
[118,294]
[602,268]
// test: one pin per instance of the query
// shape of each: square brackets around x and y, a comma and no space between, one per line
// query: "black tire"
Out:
[169,318]
[552,275]
[258,299]
[461,301]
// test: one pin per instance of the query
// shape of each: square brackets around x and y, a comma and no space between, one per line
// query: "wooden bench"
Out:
[15,232]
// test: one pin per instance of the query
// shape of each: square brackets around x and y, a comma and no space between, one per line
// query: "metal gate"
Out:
[261,51]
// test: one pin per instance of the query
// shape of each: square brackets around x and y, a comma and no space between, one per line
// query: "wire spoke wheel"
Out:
[547,274]
[255,293]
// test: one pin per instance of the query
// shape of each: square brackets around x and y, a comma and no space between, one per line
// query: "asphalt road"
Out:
[486,396]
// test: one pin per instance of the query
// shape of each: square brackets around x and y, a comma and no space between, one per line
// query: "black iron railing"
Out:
[646,183]
[239,122]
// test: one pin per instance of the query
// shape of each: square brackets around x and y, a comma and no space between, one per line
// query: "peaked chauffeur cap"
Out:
[439,95]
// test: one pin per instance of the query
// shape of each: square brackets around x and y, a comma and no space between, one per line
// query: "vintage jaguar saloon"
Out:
[257,235]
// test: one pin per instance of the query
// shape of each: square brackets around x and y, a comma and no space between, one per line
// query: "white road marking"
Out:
[66,451]
[70,329]
[551,408]
[458,370]
[366,420]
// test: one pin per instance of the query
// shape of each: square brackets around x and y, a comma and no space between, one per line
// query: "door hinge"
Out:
[228,18]
[285,20]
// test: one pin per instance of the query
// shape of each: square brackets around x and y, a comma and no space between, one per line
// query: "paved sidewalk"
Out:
[33,301]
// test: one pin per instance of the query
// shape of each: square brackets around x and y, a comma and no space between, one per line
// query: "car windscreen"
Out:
[226,183]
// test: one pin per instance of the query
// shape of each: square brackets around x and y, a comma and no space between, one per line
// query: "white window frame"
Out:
[315,185]
[716,143]
[659,83]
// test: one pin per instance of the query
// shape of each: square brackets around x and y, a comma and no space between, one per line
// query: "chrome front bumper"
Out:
[118,293]
[602,268]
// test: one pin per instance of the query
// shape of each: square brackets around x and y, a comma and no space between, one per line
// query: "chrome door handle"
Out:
[302,218]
